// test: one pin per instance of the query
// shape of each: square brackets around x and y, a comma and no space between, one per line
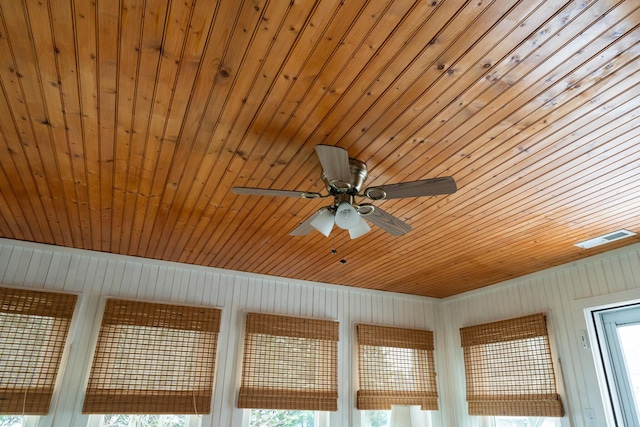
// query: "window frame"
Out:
[324,332]
[32,420]
[418,346]
[529,336]
[583,309]
[95,335]
[619,398]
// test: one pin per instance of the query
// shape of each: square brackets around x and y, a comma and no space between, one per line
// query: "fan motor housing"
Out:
[358,176]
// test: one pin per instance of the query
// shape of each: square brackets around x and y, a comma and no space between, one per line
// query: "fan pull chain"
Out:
[334,249]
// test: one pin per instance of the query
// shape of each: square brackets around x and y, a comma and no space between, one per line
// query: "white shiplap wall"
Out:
[563,293]
[94,276]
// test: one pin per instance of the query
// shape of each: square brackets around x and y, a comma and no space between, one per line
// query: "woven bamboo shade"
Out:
[289,363]
[153,359]
[396,367]
[33,331]
[509,369]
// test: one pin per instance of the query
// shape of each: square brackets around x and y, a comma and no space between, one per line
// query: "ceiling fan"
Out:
[344,178]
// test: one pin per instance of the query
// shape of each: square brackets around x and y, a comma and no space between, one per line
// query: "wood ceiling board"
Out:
[123,130]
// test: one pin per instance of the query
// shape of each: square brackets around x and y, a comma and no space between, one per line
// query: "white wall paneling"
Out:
[96,276]
[562,292]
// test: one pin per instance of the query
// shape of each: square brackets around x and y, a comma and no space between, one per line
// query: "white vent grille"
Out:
[617,235]
[601,240]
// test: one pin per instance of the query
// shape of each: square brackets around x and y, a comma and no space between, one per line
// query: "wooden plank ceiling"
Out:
[124,125]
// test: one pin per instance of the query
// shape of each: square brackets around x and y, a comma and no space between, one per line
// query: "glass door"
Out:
[619,336]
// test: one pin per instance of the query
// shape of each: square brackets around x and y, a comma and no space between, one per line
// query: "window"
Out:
[289,363]
[145,421]
[282,418]
[509,370]
[395,367]
[17,421]
[398,416]
[153,359]
[33,332]
[526,422]
[618,332]
[379,418]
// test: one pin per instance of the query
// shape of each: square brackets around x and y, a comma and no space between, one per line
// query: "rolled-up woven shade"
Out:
[509,368]
[33,331]
[289,363]
[153,359]
[396,367]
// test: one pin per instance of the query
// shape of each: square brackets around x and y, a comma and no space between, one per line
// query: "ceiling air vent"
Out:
[601,240]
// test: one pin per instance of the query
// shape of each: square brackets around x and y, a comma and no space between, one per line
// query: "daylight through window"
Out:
[33,333]
[509,370]
[281,418]
[153,358]
[619,341]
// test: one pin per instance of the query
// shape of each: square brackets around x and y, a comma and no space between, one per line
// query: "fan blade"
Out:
[269,192]
[335,164]
[305,227]
[425,187]
[387,222]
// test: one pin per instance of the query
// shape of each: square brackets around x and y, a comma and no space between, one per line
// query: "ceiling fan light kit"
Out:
[323,222]
[346,216]
[360,229]
[344,177]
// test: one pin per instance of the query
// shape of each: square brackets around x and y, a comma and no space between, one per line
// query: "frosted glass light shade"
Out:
[360,229]
[346,216]
[323,222]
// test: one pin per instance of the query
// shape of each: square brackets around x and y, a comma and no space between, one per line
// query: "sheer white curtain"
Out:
[409,416]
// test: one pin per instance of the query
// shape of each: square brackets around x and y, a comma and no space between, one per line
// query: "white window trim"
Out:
[621,395]
[583,318]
